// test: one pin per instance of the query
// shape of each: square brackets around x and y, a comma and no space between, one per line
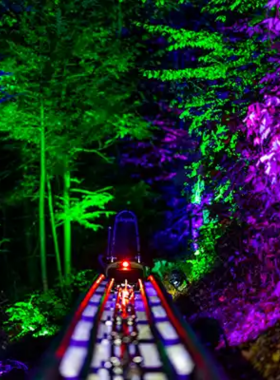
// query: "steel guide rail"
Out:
[50,365]
[125,348]
[167,365]
[94,333]
[122,332]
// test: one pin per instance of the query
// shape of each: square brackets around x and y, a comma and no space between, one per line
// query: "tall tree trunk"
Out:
[42,229]
[67,223]
[66,197]
[54,234]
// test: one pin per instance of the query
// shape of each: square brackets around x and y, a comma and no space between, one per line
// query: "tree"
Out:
[21,125]
[80,89]
[261,126]
[222,72]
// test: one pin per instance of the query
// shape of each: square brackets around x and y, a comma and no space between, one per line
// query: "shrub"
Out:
[42,313]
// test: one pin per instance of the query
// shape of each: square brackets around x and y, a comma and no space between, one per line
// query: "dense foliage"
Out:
[43,313]
[168,107]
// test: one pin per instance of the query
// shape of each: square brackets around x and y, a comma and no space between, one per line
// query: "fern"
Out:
[82,208]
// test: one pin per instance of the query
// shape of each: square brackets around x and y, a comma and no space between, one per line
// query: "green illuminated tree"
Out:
[54,233]
[72,92]
[29,127]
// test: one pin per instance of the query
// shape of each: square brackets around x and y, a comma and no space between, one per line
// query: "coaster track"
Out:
[127,332]
[126,326]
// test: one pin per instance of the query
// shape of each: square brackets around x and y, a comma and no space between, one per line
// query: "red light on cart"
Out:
[125,264]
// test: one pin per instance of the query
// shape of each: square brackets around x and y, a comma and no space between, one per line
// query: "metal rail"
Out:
[201,359]
[91,348]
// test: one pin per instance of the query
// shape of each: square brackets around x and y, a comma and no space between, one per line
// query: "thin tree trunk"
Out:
[42,229]
[54,234]
[67,223]
[66,197]
[120,21]
[31,258]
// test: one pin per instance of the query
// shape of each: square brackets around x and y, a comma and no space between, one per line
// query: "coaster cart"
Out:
[123,266]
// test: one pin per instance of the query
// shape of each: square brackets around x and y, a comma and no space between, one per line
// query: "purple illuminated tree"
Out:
[262,129]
